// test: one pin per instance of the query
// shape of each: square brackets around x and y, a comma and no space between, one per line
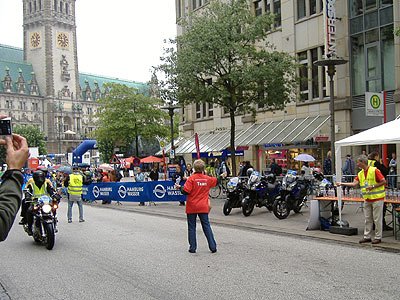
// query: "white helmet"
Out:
[249,171]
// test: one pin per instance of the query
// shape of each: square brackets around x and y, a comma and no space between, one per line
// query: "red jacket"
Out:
[198,186]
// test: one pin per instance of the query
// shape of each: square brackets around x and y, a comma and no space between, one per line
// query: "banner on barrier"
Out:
[133,191]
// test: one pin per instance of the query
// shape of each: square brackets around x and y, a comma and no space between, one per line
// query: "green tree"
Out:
[397,31]
[124,115]
[33,135]
[223,58]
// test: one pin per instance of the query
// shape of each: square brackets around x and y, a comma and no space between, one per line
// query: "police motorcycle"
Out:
[261,191]
[43,211]
[294,194]
[234,196]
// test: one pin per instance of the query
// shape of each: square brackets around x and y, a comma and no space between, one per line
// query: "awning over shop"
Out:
[286,132]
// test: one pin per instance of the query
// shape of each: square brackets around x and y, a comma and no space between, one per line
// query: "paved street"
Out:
[121,254]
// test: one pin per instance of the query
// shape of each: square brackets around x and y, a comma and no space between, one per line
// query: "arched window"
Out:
[30,7]
[67,8]
[34,6]
[61,6]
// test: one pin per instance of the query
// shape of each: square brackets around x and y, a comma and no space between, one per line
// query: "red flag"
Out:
[196,141]
[165,165]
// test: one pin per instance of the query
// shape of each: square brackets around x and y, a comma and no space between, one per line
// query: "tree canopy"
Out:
[33,135]
[124,115]
[224,58]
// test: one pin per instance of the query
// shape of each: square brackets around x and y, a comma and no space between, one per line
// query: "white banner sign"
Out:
[374,104]
[330,28]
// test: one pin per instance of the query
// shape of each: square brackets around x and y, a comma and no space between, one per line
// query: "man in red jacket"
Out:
[197,188]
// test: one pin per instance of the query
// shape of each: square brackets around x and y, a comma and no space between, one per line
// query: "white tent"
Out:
[388,133]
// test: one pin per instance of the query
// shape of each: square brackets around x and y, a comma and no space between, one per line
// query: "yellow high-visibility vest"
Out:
[375,193]
[75,184]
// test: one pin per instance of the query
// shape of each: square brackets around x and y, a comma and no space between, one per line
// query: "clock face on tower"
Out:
[62,40]
[35,39]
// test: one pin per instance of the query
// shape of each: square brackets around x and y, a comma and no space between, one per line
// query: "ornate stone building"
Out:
[41,85]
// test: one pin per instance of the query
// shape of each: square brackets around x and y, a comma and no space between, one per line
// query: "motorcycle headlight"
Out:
[46,208]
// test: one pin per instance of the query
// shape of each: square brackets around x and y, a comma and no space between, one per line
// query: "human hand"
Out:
[177,186]
[338,183]
[17,151]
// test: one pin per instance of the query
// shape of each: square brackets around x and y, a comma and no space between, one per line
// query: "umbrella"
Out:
[65,169]
[304,157]
[106,167]
[150,159]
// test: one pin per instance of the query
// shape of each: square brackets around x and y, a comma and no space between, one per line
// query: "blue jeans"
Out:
[205,223]
[71,200]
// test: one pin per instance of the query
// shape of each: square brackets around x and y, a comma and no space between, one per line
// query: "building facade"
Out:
[364,37]
[41,84]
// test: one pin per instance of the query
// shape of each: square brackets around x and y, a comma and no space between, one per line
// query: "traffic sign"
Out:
[114,160]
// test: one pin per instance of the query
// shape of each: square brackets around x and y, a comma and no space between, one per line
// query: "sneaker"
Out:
[214,251]
[182,204]
[364,240]
[69,221]
[30,233]
[192,251]
[376,241]
[80,221]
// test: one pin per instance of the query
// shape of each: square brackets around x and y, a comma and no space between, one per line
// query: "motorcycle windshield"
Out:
[44,200]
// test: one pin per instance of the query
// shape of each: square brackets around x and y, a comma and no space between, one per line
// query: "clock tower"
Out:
[50,45]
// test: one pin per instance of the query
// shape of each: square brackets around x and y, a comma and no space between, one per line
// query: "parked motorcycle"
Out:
[294,194]
[234,196]
[261,191]
[44,227]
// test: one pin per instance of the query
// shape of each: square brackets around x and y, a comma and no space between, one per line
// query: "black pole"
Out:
[331,73]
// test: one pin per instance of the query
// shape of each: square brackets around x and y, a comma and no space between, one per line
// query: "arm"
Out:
[353,184]
[10,189]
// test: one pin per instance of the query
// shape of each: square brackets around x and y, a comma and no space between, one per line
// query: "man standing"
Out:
[328,164]
[372,184]
[74,182]
[10,188]
[197,188]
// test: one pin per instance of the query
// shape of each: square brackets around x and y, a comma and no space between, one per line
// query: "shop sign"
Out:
[374,104]
[321,138]
[242,148]
[330,28]
[276,145]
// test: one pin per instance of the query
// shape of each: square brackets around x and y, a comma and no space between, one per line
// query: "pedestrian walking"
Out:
[393,172]
[348,170]
[139,178]
[372,184]
[197,188]
[328,164]
[74,183]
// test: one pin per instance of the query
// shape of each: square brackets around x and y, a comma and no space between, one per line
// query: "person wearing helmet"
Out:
[36,188]
[249,171]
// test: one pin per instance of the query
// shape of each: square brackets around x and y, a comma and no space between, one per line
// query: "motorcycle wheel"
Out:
[247,207]
[227,208]
[215,191]
[280,208]
[298,206]
[50,236]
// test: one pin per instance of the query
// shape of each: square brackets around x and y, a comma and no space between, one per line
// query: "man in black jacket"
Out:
[11,186]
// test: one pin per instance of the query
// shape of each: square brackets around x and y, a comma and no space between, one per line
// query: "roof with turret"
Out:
[11,59]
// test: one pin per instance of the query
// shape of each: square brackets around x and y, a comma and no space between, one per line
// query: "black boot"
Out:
[22,222]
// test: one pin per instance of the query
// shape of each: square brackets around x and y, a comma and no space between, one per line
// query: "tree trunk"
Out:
[232,143]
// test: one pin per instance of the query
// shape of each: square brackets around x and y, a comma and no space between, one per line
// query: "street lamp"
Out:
[331,63]
[59,106]
[171,113]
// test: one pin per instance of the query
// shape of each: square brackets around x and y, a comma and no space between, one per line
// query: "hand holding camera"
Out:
[16,145]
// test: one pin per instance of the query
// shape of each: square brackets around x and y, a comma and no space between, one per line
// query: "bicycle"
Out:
[216,191]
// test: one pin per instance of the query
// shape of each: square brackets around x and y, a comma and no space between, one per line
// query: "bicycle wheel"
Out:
[215,191]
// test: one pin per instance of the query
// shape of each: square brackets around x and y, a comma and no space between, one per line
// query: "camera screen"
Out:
[5,126]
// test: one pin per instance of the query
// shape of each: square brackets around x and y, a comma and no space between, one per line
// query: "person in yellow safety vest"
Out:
[372,184]
[36,188]
[74,183]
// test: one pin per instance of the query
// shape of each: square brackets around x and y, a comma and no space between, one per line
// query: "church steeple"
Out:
[50,44]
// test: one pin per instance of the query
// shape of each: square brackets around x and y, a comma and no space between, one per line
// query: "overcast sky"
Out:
[118,38]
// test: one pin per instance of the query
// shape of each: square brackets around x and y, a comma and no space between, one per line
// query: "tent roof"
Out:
[388,133]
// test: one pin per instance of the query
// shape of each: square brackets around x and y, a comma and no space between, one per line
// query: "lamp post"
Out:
[171,113]
[59,106]
[331,63]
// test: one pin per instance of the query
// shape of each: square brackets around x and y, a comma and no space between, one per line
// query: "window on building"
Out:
[67,8]
[55,5]
[303,73]
[179,9]
[210,110]
[61,6]
[30,7]
[257,7]
[268,7]
[301,9]
[194,4]
[40,4]
[312,78]
[372,49]
[313,7]
[204,110]
[78,124]
[34,6]
[35,106]
[198,111]
[278,13]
